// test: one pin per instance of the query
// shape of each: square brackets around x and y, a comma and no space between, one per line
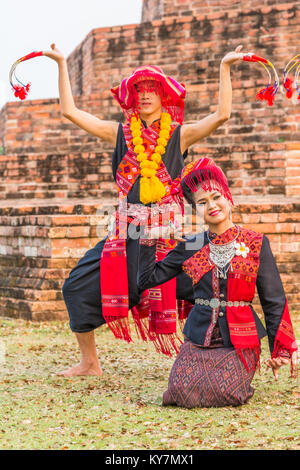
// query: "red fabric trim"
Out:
[198,265]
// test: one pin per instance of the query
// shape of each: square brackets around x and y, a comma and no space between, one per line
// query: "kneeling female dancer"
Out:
[217,362]
[149,154]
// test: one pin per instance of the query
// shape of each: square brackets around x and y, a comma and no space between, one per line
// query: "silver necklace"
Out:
[221,255]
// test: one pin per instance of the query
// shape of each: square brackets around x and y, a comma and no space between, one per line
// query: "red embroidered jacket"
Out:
[239,325]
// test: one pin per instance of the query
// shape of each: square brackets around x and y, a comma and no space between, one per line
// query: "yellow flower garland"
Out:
[151,188]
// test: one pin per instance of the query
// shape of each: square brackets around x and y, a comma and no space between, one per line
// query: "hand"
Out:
[54,54]
[275,364]
[170,231]
[233,57]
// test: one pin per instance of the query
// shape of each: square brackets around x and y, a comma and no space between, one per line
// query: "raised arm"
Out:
[192,133]
[105,130]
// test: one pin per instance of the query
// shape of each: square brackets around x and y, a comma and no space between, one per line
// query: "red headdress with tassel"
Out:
[151,78]
[20,89]
[288,82]
[268,93]
[202,173]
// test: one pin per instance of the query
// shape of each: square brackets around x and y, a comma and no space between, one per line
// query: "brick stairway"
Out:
[55,179]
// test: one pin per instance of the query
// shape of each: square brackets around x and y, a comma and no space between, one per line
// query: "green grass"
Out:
[122,409]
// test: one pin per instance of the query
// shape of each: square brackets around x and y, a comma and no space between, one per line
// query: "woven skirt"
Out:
[208,377]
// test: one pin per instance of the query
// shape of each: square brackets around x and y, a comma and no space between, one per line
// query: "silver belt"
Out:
[215,303]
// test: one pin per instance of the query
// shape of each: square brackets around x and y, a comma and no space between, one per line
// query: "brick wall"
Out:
[47,157]
[257,137]
[51,169]
[40,243]
[253,146]
[158,9]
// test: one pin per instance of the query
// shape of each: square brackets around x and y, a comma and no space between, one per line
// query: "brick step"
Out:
[33,310]
[29,294]
[32,273]
[98,189]
[39,263]
[28,283]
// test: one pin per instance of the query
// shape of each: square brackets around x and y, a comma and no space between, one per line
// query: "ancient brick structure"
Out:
[55,179]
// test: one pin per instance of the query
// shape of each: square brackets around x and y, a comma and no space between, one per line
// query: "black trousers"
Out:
[82,292]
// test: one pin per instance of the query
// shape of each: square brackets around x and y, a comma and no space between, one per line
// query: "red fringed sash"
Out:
[285,339]
[243,335]
[114,281]
[114,288]
[241,286]
[162,323]
[154,320]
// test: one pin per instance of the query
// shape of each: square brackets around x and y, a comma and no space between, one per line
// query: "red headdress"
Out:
[202,173]
[268,93]
[21,90]
[151,78]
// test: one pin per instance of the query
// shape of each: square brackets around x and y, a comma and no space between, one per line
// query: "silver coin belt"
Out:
[215,303]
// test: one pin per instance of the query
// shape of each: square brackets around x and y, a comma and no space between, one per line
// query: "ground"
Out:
[122,409]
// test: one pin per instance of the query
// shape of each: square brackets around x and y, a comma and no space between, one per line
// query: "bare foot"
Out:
[82,369]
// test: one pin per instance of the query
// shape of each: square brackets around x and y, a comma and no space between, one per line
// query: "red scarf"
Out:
[155,315]
[241,287]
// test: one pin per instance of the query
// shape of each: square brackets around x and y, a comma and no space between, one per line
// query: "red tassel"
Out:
[166,343]
[141,326]
[21,91]
[288,82]
[120,328]
[250,357]
[266,94]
